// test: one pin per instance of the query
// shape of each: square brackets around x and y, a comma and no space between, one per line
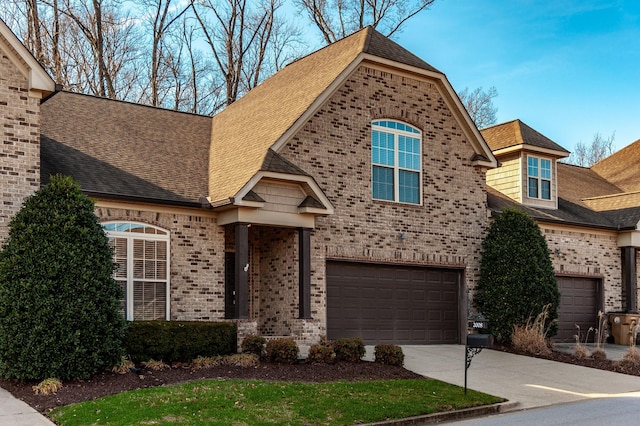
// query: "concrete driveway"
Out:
[531,382]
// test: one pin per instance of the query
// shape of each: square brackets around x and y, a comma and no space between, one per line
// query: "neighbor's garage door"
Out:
[579,301]
[392,304]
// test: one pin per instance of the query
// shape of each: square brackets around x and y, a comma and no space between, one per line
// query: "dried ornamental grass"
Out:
[124,366]
[531,337]
[242,360]
[206,362]
[155,365]
[47,387]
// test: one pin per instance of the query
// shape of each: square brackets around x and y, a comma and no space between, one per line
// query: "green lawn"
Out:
[247,402]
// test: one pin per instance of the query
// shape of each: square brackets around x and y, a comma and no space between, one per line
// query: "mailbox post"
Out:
[474,344]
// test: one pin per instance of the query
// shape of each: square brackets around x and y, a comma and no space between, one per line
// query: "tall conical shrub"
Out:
[59,305]
[516,275]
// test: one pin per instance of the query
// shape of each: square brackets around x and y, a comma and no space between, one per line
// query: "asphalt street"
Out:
[618,411]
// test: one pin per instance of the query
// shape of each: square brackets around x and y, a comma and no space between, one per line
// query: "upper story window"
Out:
[396,161]
[142,254]
[539,178]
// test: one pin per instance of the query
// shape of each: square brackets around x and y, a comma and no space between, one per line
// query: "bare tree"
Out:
[96,47]
[238,34]
[479,105]
[338,18]
[599,149]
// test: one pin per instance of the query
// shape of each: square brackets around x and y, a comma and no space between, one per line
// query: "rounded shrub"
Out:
[516,276]
[321,353]
[283,350]
[349,349]
[389,354]
[59,305]
[253,344]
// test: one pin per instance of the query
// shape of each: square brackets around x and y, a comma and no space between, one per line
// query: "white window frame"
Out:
[130,237]
[396,164]
[540,179]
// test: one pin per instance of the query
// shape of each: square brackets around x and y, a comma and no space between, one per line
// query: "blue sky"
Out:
[569,69]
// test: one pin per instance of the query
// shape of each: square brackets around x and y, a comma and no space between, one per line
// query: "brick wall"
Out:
[335,147]
[594,254]
[19,142]
[278,281]
[197,260]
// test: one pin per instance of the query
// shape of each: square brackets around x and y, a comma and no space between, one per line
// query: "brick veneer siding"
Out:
[592,254]
[278,281]
[20,142]
[197,260]
[335,148]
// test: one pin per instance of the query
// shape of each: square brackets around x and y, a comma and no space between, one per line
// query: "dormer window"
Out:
[539,178]
[396,161]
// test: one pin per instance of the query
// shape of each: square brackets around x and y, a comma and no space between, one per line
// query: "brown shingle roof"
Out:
[576,183]
[245,130]
[567,213]
[515,133]
[120,149]
[622,168]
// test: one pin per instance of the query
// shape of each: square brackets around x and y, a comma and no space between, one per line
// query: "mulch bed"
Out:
[108,383]
[600,364]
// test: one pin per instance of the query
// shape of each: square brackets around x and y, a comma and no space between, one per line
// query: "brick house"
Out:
[344,196]
[590,218]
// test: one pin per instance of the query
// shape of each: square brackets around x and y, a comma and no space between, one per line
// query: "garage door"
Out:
[392,304]
[579,301]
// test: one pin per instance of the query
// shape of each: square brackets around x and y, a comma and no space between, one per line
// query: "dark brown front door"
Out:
[392,304]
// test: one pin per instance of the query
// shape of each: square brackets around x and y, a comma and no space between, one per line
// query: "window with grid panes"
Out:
[396,165]
[142,255]
[539,178]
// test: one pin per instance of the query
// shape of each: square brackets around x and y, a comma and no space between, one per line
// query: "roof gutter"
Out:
[495,213]
[146,200]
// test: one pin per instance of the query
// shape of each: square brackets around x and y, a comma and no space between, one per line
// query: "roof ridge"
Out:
[134,104]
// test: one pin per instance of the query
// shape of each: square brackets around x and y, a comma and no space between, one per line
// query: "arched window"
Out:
[142,254]
[396,159]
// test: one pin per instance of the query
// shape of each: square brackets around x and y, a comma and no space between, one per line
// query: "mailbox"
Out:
[479,340]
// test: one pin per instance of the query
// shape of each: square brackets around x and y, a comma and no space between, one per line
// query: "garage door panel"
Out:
[392,304]
[579,303]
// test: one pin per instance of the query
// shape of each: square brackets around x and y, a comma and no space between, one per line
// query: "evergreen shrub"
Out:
[517,279]
[59,304]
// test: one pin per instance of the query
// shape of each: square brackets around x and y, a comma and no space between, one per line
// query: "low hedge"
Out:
[175,341]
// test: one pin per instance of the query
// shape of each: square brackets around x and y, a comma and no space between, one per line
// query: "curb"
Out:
[466,413]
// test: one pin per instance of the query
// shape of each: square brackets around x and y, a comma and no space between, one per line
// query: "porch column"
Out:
[629,277]
[304,279]
[242,271]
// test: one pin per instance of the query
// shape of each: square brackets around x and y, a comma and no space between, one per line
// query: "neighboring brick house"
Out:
[590,218]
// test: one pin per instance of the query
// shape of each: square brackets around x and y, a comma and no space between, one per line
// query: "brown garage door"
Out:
[579,301]
[392,304]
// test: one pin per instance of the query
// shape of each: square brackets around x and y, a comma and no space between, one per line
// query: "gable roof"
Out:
[621,168]
[268,115]
[39,81]
[117,149]
[515,133]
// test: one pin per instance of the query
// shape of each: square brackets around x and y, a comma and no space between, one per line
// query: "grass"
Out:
[249,402]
